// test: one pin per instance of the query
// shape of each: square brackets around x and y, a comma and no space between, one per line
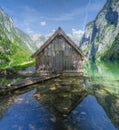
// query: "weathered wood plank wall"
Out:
[59,56]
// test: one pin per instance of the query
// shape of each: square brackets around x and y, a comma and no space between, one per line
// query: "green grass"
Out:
[20,66]
[13,54]
[24,65]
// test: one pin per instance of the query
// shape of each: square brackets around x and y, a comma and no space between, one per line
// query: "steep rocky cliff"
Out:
[15,45]
[101,38]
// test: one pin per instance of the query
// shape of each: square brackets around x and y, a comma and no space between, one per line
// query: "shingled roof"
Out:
[67,38]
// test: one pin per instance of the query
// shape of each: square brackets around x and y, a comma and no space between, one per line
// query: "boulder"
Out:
[7,72]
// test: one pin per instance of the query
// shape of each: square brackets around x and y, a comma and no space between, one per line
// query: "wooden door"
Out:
[58,62]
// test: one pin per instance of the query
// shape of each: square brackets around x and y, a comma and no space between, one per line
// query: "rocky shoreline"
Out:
[7,72]
[10,71]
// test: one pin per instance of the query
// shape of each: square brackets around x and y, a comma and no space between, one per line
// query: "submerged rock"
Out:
[61,99]
[28,72]
[7,72]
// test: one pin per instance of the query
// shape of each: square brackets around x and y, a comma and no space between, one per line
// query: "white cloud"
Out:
[36,36]
[76,35]
[49,34]
[39,39]
[43,23]
[77,32]
[29,30]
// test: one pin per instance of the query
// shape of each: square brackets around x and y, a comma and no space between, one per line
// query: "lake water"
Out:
[37,107]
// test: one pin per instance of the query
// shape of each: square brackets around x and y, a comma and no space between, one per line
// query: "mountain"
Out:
[101,38]
[15,45]
[39,40]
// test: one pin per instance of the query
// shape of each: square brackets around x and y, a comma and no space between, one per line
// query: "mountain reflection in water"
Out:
[104,82]
[27,114]
[45,107]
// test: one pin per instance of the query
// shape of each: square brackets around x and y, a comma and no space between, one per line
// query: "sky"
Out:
[45,16]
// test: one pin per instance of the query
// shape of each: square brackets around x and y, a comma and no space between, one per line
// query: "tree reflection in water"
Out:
[104,85]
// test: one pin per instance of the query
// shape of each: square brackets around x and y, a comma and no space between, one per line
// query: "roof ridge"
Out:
[67,38]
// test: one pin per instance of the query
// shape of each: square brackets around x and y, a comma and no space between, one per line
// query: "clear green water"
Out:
[104,81]
[104,74]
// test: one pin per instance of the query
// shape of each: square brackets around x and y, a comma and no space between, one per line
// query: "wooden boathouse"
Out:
[59,54]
